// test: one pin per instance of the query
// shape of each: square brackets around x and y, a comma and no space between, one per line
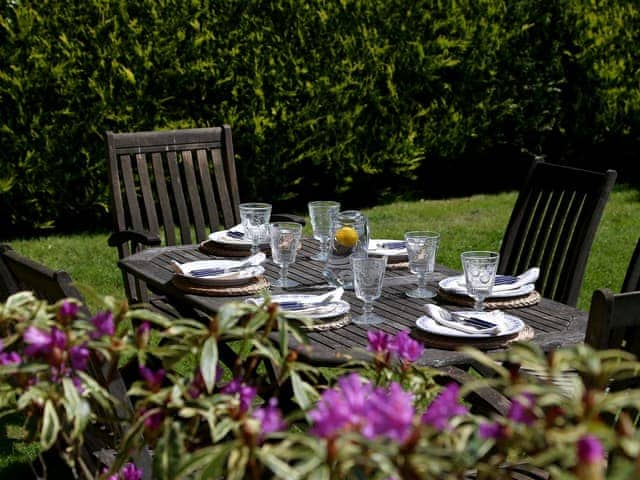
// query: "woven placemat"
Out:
[398,266]
[491,303]
[256,285]
[452,343]
[322,324]
[211,247]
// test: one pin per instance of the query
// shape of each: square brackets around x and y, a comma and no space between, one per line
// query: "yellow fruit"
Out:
[347,236]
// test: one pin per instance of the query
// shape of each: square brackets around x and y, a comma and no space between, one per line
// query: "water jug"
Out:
[349,237]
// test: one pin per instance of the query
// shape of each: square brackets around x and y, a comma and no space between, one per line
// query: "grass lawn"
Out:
[475,222]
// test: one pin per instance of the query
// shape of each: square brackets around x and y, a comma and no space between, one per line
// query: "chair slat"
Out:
[130,192]
[163,199]
[147,194]
[232,176]
[204,175]
[223,192]
[632,277]
[194,196]
[179,200]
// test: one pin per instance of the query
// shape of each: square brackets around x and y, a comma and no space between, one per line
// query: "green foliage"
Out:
[360,100]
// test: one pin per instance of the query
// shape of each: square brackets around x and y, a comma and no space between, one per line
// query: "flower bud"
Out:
[142,335]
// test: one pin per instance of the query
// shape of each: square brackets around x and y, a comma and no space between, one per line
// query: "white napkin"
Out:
[530,276]
[252,261]
[376,247]
[335,295]
[443,317]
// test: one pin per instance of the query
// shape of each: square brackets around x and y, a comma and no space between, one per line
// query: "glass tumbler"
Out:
[255,221]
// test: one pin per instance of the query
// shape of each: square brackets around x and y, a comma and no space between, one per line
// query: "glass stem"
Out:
[367,308]
[324,248]
[478,304]
[283,274]
[422,281]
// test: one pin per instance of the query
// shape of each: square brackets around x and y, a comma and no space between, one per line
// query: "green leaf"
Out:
[50,426]
[209,363]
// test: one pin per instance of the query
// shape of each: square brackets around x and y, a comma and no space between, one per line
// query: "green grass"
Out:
[476,222]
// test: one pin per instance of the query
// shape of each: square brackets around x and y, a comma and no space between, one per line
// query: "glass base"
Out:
[367,319]
[288,283]
[320,257]
[421,293]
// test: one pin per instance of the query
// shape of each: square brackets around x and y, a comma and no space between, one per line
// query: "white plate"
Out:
[334,309]
[375,248]
[227,279]
[222,237]
[452,285]
[512,325]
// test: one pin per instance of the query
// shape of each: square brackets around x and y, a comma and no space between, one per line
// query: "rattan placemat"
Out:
[255,286]
[322,324]
[452,343]
[398,266]
[218,249]
[491,303]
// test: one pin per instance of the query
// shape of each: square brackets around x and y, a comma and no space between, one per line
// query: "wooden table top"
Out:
[555,324]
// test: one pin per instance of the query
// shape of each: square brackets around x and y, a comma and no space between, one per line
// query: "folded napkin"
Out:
[219,268]
[300,305]
[463,321]
[504,284]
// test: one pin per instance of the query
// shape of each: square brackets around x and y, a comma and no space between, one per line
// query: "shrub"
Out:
[362,101]
[385,419]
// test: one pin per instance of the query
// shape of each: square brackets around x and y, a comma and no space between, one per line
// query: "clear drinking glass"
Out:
[285,238]
[322,214]
[368,273]
[422,247]
[255,221]
[479,274]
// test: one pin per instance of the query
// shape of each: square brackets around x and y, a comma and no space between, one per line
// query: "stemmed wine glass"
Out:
[255,221]
[322,214]
[422,247]
[368,273]
[285,238]
[479,274]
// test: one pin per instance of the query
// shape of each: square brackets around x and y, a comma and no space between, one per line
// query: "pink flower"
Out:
[378,341]
[154,379]
[103,323]
[9,358]
[590,449]
[79,355]
[245,392]
[491,430]
[154,420]
[128,472]
[522,409]
[68,309]
[444,407]
[270,418]
[41,342]
[405,347]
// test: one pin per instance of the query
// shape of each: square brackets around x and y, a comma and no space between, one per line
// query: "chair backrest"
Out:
[614,321]
[19,273]
[167,181]
[553,225]
[632,278]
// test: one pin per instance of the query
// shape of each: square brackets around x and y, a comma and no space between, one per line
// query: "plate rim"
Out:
[345,305]
[521,291]
[468,335]
[214,281]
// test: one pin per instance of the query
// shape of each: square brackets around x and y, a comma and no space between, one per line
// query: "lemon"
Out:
[347,236]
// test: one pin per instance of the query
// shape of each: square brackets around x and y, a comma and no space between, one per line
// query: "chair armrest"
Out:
[142,238]
[288,217]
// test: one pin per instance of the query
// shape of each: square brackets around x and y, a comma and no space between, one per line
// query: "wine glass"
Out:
[479,275]
[285,238]
[368,273]
[255,221]
[322,214]
[422,247]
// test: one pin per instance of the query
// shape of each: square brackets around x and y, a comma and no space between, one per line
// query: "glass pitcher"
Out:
[349,238]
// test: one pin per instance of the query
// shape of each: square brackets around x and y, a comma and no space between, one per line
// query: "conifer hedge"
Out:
[358,100]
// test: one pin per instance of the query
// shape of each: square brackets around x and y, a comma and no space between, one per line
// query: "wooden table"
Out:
[555,324]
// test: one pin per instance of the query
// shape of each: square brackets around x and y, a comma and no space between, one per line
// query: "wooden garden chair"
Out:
[553,225]
[632,278]
[171,187]
[18,273]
